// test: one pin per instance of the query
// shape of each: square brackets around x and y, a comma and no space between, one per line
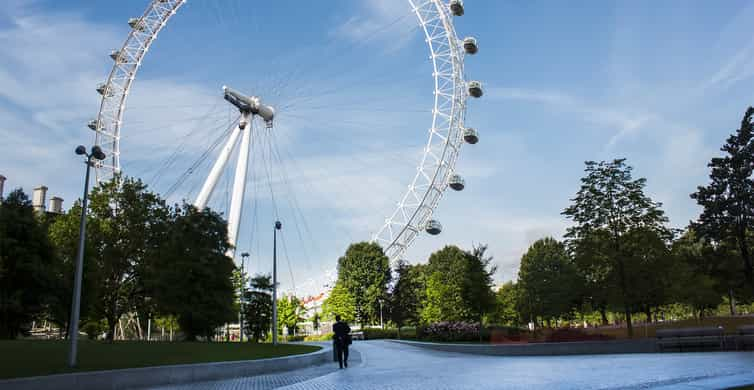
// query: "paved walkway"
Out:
[387,365]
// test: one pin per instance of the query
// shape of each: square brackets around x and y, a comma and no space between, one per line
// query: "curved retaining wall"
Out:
[540,349]
[166,375]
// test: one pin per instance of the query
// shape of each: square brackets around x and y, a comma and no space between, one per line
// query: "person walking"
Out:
[342,340]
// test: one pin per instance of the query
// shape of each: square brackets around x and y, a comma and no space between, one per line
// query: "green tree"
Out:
[25,258]
[506,312]
[290,311]
[258,307]
[650,270]
[131,225]
[728,200]
[547,281]
[459,285]
[696,261]
[167,322]
[407,294]
[64,237]
[612,202]
[193,276]
[364,271]
[340,302]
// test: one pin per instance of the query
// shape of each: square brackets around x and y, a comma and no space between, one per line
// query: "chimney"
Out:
[2,184]
[56,205]
[38,199]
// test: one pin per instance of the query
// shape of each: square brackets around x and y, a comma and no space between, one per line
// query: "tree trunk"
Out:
[731,302]
[748,268]
[603,313]
[648,312]
[111,323]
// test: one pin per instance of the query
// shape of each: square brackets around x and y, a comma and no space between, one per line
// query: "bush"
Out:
[323,337]
[449,332]
[377,333]
[292,339]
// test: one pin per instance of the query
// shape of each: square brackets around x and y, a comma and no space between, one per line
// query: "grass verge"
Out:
[24,358]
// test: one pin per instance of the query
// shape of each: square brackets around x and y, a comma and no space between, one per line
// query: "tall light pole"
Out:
[278,226]
[243,290]
[382,324]
[96,154]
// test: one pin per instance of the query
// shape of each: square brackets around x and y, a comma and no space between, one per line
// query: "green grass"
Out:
[22,358]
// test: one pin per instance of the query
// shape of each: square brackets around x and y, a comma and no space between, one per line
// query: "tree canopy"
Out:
[610,205]
[25,257]
[364,272]
[728,200]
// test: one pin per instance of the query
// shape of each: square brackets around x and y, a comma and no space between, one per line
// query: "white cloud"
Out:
[624,121]
[388,22]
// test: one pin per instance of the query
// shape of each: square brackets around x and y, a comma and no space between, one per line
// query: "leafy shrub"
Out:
[292,339]
[377,333]
[449,332]
[323,337]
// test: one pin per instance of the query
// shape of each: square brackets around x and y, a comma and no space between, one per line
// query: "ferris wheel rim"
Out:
[418,203]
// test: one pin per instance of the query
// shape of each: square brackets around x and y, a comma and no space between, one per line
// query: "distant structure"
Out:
[56,205]
[38,199]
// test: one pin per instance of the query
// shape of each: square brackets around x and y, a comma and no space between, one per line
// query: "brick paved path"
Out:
[387,365]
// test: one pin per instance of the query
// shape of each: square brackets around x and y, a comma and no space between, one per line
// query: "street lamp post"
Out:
[96,154]
[243,289]
[278,226]
[382,324]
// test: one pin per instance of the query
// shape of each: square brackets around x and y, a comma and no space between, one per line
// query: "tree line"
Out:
[619,258]
[143,258]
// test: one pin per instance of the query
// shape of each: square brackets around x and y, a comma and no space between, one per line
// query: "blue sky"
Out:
[661,83]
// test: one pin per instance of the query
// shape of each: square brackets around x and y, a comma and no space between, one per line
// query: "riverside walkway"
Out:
[389,365]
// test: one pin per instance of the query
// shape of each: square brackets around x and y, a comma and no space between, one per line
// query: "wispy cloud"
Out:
[624,122]
[390,23]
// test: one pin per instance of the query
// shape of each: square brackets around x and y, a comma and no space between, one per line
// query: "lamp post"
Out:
[243,290]
[382,324]
[95,154]
[278,226]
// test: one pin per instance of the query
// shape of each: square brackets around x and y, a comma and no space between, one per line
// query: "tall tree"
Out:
[64,236]
[547,281]
[728,200]
[407,294]
[364,271]
[612,201]
[193,276]
[258,307]
[25,258]
[290,311]
[459,285]
[506,312]
[131,226]
[340,303]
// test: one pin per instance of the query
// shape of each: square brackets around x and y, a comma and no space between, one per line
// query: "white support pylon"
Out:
[239,188]
[217,169]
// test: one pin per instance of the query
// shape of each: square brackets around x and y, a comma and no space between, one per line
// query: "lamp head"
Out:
[80,150]
[278,225]
[245,254]
[98,153]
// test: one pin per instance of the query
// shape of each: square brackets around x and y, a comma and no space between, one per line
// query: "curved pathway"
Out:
[388,365]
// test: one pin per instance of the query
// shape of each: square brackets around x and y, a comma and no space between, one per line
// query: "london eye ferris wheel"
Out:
[257,111]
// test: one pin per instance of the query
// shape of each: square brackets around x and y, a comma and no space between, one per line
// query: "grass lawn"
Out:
[21,358]
[730,324]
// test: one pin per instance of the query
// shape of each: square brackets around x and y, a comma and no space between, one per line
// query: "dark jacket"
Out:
[341,330]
